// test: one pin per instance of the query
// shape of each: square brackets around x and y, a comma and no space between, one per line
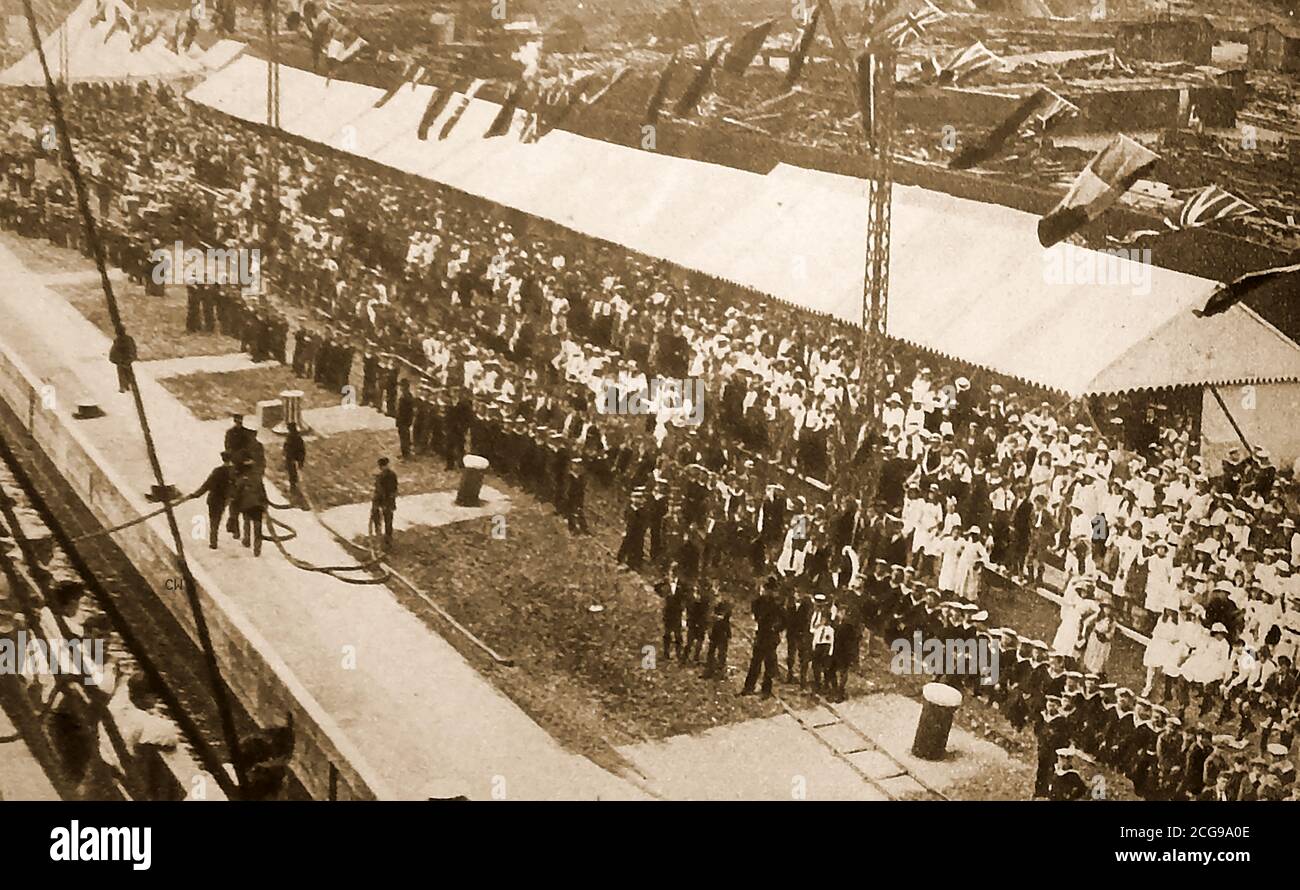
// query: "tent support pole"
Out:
[1223,406]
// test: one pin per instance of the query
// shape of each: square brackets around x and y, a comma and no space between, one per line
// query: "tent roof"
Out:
[968,280]
[91,57]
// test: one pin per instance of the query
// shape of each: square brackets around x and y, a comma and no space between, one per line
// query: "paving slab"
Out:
[201,364]
[766,759]
[889,720]
[875,764]
[21,775]
[433,509]
[843,738]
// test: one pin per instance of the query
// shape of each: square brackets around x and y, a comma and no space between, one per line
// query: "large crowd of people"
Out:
[731,430]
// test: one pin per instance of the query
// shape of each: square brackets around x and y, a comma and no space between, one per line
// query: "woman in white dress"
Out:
[1100,636]
[1163,652]
[1076,608]
[1209,663]
[971,559]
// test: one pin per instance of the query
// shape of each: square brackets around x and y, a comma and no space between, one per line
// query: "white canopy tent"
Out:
[92,55]
[968,280]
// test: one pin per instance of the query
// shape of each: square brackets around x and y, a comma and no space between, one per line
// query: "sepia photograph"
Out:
[874,406]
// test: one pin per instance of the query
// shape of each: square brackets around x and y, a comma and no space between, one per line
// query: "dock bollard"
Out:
[471,480]
[939,703]
[290,411]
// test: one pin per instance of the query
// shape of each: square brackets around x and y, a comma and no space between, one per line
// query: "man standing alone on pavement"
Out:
[383,502]
[295,455]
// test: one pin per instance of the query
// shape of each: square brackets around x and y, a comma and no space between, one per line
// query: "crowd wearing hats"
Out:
[515,334]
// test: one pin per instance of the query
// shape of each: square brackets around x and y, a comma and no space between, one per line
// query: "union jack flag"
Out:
[906,21]
[1209,204]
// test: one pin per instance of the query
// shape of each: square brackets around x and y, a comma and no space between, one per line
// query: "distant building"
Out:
[1188,39]
[1274,48]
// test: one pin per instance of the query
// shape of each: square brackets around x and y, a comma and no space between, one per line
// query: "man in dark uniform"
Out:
[631,552]
[383,501]
[295,455]
[848,640]
[797,613]
[1066,782]
[673,592]
[1053,733]
[405,416]
[575,498]
[719,637]
[769,618]
[220,489]
[1197,754]
[122,354]
[698,606]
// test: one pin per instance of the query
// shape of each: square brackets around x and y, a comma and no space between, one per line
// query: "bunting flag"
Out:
[1042,106]
[120,23]
[745,47]
[906,22]
[338,51]
[145,36]
[552,107]
[806,38]
[191,32]
[461,106]
[695,91]
[604,91]
[661,91]
[1110,173]
[973,58]
[501,123]
[101,13]
[842,51]
[178,34]
[1233,293]
[437,102]
[391,92]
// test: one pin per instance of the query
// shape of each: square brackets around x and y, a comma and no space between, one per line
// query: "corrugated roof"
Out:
[968,279]
[92,58]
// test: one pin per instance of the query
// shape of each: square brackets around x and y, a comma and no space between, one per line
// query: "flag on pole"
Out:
[1110,173]
[461,106]
[906,22]
[661,91]
[1230,294]
[745,47]
[501,123]
[1043,107]
[695,91]
[806,38]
